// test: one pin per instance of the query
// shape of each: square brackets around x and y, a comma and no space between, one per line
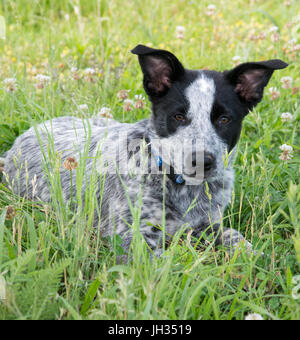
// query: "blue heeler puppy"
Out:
[187,105]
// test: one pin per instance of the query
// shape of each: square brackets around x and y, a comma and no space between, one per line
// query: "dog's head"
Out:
[202,105]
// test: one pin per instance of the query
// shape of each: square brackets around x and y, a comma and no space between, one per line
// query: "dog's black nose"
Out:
[209,161]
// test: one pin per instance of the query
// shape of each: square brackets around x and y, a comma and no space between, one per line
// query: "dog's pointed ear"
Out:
[160,68]
[250,79]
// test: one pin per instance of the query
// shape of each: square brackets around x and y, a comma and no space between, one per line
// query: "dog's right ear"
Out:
[160,68]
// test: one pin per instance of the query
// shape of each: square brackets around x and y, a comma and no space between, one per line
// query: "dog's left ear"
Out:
[160,68]
[250,79]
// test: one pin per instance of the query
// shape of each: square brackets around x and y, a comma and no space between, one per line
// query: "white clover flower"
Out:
[273,29]
[128,101]
[70,163]
[287,82]
[180,30]
[89,74]
[75,73]
[211,10]
[42,78]
[105,112]
[42,81]
[139,97]
[123,94]
[236,59]
[128,105]
[274,93]
[286,152]
[286,116]
[89,71]
[83,107]
[286,148]
[140,101]
[285,156]
[254,316]
[211,7]
[10,83]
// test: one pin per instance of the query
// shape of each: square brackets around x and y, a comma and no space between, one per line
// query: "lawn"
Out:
[72,57]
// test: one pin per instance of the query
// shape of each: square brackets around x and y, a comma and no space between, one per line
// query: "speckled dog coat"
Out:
[186,105]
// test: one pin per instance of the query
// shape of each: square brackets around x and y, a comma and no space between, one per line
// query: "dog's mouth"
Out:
[197,177]
[194,178]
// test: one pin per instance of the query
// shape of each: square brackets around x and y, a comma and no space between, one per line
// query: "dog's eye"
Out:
[180,117]
[223,120]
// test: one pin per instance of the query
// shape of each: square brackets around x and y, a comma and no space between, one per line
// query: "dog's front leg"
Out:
[152,234]
[153,238]
[156,226]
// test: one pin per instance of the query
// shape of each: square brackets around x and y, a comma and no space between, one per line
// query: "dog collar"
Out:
[175,178]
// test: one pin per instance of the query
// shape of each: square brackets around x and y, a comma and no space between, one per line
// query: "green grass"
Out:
[53,265]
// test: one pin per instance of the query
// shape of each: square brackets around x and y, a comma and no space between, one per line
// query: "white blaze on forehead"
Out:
[200,95]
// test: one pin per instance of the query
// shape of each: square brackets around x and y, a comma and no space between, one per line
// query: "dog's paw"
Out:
[233,240]
[244,244]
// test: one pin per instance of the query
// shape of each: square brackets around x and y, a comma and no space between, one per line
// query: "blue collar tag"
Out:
[179,179]
[158,161]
